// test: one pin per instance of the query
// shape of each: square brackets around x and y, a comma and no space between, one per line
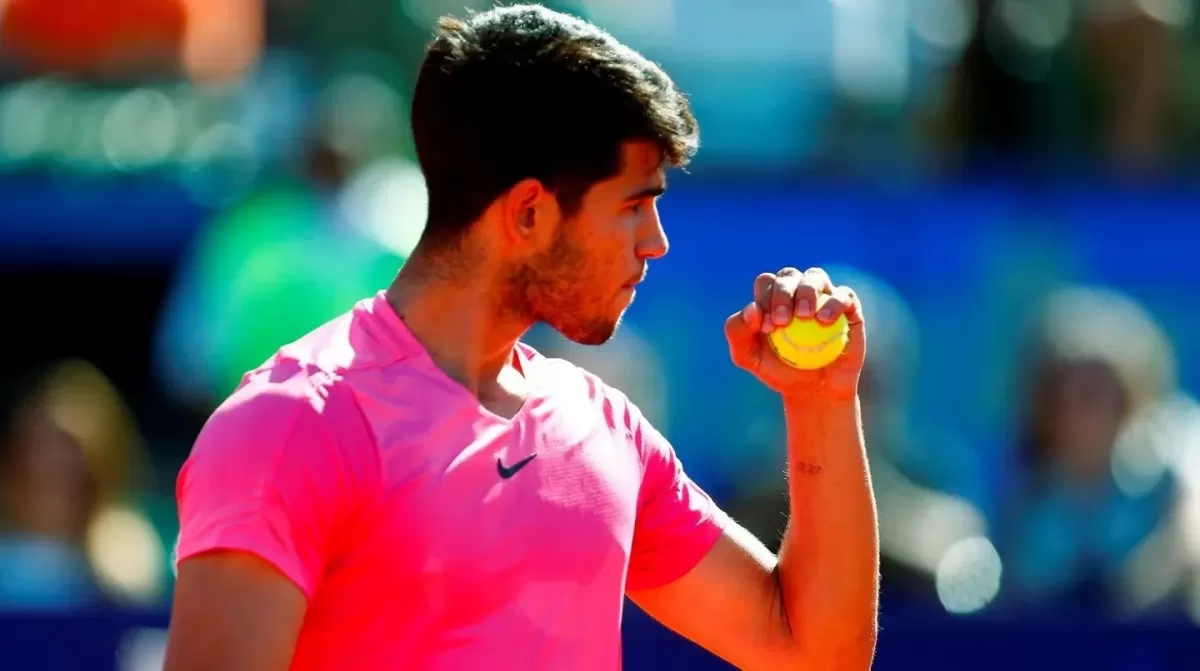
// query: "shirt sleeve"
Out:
[267,477]
[677,523]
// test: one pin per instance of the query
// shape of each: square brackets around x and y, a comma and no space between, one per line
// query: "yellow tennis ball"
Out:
[808,344]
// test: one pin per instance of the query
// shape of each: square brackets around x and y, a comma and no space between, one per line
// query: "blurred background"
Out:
[1011,185]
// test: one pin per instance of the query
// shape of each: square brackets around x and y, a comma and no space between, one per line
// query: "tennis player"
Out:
[411,487]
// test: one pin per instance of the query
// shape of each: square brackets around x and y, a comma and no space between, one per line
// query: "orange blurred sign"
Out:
[132,37]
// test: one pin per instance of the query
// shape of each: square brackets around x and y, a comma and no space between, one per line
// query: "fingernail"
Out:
[825,314]
[781,315]
[748,313]
[803,309]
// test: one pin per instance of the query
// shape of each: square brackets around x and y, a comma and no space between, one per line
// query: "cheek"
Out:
[596,260]
[564,274]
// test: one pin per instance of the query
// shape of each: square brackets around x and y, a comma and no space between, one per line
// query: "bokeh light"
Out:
[387,202]
[968,575]
[127,554]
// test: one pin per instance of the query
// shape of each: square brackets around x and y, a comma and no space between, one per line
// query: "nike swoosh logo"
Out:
[507,472]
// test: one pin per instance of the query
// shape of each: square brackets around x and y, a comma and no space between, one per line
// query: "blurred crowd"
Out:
[1084,502]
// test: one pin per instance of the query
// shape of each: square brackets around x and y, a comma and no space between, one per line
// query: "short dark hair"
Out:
[525,92]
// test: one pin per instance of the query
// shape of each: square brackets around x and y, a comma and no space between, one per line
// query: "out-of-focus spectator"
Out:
[49,502]
[77,501]
[1070,83]
[1133,56]
[125,541]
[1073,519]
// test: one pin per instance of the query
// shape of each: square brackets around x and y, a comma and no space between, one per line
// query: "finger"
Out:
[816,283]
[783,291]
[742,332]
[839,301]
[854,309]
[764,286]
[851,306]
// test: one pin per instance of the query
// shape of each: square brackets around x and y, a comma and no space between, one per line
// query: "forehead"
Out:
[641,158]
[642,169]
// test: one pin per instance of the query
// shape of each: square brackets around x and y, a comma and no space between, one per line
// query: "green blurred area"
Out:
[268,271]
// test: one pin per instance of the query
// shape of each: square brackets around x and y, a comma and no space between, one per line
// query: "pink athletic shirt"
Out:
[375,483]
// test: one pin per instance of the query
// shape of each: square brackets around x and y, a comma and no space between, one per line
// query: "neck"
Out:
[459,318]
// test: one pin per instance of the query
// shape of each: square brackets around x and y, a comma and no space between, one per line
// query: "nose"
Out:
[654,243]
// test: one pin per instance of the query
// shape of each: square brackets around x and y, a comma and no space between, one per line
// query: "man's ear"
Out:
[531,214]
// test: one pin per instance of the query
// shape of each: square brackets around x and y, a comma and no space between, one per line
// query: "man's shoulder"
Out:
[280,397]
[289,417]
[328,380]
[322,369]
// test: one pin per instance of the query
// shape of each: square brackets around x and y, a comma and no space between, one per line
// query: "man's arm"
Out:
[266,500]
[813,607]
[233,611]
[816,605]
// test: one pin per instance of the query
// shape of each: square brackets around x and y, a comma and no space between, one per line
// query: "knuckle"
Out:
[786,285]
[819,278]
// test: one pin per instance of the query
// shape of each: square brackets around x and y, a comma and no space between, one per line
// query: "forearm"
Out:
[829,562]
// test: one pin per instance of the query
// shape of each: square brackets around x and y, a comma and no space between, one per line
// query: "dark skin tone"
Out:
[813,607]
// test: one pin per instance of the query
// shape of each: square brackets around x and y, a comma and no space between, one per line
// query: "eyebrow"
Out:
[648,192]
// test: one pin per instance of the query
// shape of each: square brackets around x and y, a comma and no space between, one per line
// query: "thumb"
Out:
[742,330]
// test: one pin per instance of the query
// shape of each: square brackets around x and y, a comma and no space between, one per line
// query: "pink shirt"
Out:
[374,482]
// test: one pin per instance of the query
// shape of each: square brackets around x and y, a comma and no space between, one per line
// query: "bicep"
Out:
[233,611]
[729,603]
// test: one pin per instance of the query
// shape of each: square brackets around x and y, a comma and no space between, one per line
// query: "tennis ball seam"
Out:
[812,349]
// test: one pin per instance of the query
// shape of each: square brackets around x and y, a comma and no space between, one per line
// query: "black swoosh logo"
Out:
[507,472]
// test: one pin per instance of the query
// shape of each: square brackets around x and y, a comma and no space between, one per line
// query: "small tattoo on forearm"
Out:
[806,468]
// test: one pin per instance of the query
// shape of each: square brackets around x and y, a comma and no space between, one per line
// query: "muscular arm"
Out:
[235,612]
[815,606]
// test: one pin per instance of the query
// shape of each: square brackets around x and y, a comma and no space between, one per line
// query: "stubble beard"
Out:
[552,289]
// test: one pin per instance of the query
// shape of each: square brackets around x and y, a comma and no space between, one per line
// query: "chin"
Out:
[596,336]
[595,332]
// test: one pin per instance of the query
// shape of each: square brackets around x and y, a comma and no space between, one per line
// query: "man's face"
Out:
[1088,409]
[50,487]
[583,283]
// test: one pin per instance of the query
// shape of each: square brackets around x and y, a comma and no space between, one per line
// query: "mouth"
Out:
[636,280]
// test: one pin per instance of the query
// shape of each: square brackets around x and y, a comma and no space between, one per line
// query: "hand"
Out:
[778,297]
